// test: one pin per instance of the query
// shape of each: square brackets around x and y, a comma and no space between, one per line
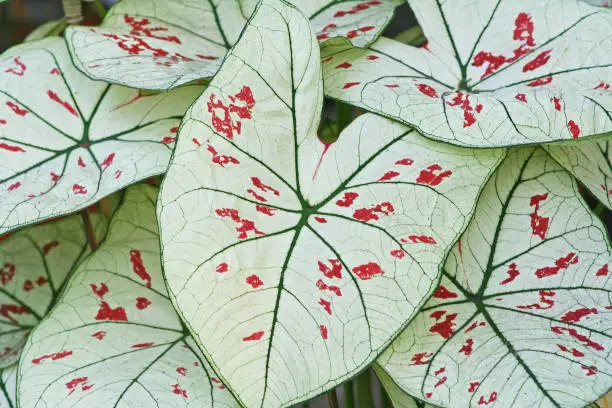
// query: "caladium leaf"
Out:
[34,265]
[600,3]
[295,262]
[399,397]
[591,164]
[45,30]
[114,339]
[523,304]
[494,73]
[67,141]
[8,387]
[161,44]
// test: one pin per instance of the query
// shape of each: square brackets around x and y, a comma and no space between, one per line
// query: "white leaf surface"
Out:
[493,73]
[161,44]
[591,164]
[8,387]
[399,398]
[295,262]
[522,315]
[34,265]
[114,339]
[67,141]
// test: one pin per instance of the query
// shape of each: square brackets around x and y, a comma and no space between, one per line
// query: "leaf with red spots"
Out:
[34,265]
[132,358]
[72,147]
[494,73]
[162,44]
[511,325]
[327,255]
[591,164]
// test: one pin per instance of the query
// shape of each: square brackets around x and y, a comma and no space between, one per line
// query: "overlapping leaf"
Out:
[494,73]
[399,397]
[67,141]
[522,315]
[114,339]
[8,387]
[591,164]
[161,44]
[34,265]
[45,30]
[295,262]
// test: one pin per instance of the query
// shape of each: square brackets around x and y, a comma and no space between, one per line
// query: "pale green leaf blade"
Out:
[114,339]
[294,263]
[399,397]
[67,141]
[161,44]
[522,313]
[8,387]
[591,164]
[45,30]
[34,265]
[492,74]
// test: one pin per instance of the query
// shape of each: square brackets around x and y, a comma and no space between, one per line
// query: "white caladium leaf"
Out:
[34,265]
[600,3]
[521,317]
[494,73]
[296,262]
[591,164]
[67,141]
[161,44]
[114,339]
[45,30]
[399,398]
[8,387]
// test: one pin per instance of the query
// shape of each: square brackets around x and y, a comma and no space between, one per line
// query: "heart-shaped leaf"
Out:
[295,262]
[8,387]
[399,397]
[67,141]
[494,73]
[591,164]
[34,265]
[523,304]
[161,44]
[114,339]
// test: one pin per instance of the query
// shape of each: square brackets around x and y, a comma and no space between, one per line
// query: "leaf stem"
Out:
[364,390]
[349,395]
[58,28]
[89,231]
[332,399]
[599,209]
[344,115]
[384,398]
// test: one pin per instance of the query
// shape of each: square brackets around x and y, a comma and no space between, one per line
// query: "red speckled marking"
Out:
[326,305]
[443,328]
[254,337]
[602,85]
[539,61]
[244,225]
[142,303]
[14,186]
[357,8]
[138,266]
[590,370]
[398,253]
[14,149]
[182,371]
[573,128]
[431,177]
[107,313]
[562,263]
[16,109]
[348,199]
[320,220]
[28,286]
[580,337]
[107,161]
[492,399]
[405,162]
[544,298]
[463,102]
[54,71]
[334,272]
[179,391]
[427,90]
[225,124]
[368,271]
[443,293]
[557,102]
[372,214]
[99,292]
[349,85]
[78,189]
[99,335]
[521,97]
[73,384]
[420,239]
[390,175]
[323,330]
[574,316]
[539,224]
[265,210]
[221,159]
[66,105]
[80,162]
[323,286]
[19,69]
[254,281]
[143,345]
[574,352]
[6,310]
[421,358]
[49,247]
[7,273]
[467,347]
[473,386]
[541,81]
[603,271]
[512,274]
[264,187]
[139,95]
[53,357]
[344,65]
[222,268]
[41,281]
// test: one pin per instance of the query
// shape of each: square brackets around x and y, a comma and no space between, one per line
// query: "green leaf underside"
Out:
[113,339]
[8,387]
[591,164]
[522,313]
[67,141]
[494,73]
[161,44]
[319,253]
[34,265]
[399,398]
[43,30]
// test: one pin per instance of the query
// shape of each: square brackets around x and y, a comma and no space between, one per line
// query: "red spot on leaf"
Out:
[254,281]
[562,263]
[368,271]
[430,176]
[41,281]
[348,199]
[143,345]
[7,273]
[222,119]
[463,102]
[265,210]
[80,162]
[326,305]
[473,386]
[574,352]
[467,347]
[54,71]
[602,85]
[99,292]
[142,303]
[14,149]
[580,337]
[334,272]
[357,8]
[427,90]
[372,57]
[49,246]
[323,330]
[16,109]
[573,128]
[244,225]
[14,186]
[444,328]
[53,357]
[55,98]
[398,253]
[603,271]
[73,384]
[540,60]
[575,315]
[222,268]
[19,69]
[590,370]
[264,187]
[541,81]
[441,381]
[182,371]
[99,335]
[420,239]
[405,162]
[320,220]
[512,274]
[521,97]
[54,177]
[334,289]
[221,159]
[421,358]
[539,224]
[344,65]
[28,286]
[7,310]
[107,161]
[557,103]
[138,266]
[492,399]
[544,298]
[79,189]
[254,337]
[350,85]
[443,293]
[107,313]
[390,175]
[179,391]
[372,214]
